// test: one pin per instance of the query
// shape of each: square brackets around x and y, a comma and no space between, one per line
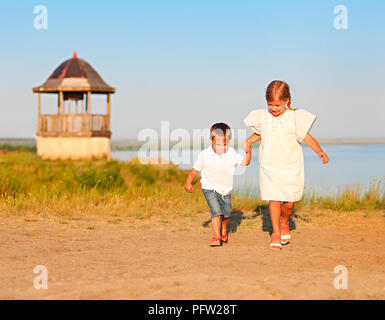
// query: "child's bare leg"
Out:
[275,215]
[216,225]
[287,210]
[225,222]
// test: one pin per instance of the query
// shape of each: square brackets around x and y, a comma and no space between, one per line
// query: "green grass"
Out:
[18,148]
[29,184]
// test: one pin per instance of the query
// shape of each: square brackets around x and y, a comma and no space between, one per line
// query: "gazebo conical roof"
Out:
[75,75]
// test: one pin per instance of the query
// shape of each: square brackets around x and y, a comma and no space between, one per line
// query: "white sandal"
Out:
[285,238]
[275,246]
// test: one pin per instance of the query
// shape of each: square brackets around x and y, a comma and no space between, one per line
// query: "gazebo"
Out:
[74,133]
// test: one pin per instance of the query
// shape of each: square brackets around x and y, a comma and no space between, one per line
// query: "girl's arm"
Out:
[314,145]
[253,138]
[247,147]
[188,186]
[246,159]
[250,140]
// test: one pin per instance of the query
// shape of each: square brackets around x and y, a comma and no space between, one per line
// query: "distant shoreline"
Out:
[131,144]
[351,141]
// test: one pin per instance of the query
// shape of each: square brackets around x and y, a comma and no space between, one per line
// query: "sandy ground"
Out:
[169,258]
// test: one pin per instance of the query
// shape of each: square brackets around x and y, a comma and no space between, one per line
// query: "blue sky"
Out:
[199,62]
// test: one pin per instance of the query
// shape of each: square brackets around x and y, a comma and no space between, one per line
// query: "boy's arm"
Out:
[314,145]
[188,185]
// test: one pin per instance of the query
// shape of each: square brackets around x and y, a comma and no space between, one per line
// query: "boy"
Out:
[216,164]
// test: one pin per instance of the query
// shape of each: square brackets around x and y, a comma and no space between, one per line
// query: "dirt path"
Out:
[167,258]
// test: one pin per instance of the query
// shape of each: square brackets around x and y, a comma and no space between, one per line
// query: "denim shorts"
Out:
[219,205]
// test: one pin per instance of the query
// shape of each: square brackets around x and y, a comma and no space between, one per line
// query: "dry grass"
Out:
[349,198]
[131,189]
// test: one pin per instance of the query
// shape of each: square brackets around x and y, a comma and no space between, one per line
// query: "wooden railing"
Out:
[74,124]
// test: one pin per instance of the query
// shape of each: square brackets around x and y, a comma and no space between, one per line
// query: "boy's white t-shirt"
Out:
[217,171]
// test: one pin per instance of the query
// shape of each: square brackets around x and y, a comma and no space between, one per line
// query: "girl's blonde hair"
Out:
[278,90]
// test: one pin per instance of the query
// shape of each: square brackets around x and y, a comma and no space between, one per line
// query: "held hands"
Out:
[188,187]
[322,155]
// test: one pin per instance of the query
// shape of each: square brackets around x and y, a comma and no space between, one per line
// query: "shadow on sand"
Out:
[266,220]
[235,221]
[237,217]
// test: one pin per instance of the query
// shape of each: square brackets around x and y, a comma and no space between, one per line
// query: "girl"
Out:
[281,130]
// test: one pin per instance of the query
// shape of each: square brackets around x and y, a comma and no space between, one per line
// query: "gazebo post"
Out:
[106,125]
[108,104]
[89,117]
[88,101]
[39,103]
[39,120]
[60,101]
[59,123]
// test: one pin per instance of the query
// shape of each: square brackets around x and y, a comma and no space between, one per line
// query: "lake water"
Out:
[348,164]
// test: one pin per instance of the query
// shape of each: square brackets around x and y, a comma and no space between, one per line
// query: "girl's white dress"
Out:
[281,165]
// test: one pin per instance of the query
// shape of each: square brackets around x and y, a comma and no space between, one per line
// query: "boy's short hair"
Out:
[220,129]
